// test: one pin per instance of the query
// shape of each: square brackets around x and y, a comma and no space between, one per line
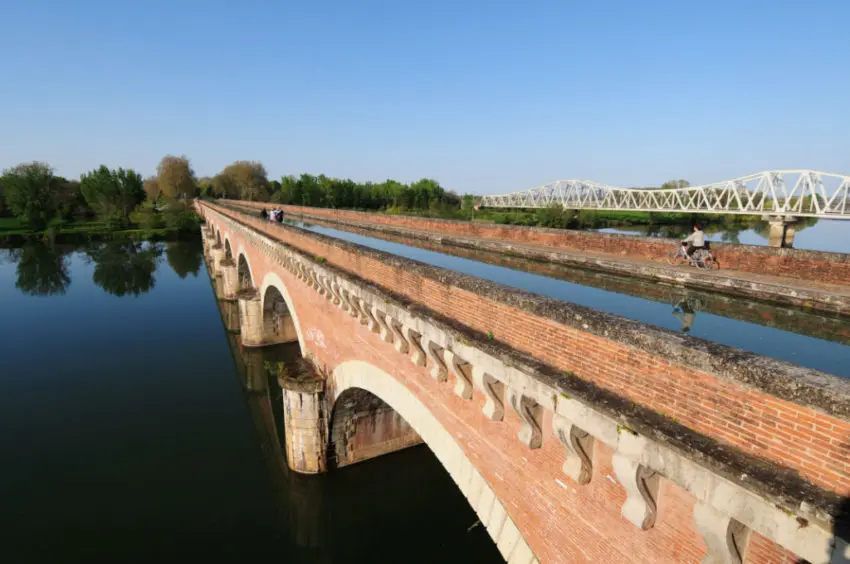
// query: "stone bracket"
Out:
[641,485]
[725,538]
[462,371]
[531,413]
[494,392]
[578,464]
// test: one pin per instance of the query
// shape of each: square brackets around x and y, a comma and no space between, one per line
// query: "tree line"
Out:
[34,194]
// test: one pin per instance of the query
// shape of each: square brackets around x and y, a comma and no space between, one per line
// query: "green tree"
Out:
[42,270]
[467,203]
[176,177]
[179,216]
[113,194]
[124,267]
[670,184]
[247,180]
[29,193]
[69,198]
[152,189]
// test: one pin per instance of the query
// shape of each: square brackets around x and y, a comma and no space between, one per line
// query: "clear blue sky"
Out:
[484,96]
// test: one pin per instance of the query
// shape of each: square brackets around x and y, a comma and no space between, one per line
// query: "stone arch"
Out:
[244,276]
[218,236]
[358,374]
[268,301]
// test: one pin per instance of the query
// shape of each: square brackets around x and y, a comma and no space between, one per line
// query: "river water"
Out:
[127,433]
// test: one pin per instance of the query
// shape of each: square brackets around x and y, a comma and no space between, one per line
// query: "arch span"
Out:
[358,374]
[272,280]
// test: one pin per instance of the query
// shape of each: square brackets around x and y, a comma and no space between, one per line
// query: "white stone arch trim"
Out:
[241,252]
[272,279]
[491,511]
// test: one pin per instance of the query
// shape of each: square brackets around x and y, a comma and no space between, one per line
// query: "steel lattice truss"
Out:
[800,193]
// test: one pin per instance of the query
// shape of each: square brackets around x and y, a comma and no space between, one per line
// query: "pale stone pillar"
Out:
[306,425]
[231,279]
[781,231]
[251,321]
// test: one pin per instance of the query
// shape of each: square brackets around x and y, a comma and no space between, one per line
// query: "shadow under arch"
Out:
[243,274]
[271,291]
[490,510]
[228,250]
[218,236]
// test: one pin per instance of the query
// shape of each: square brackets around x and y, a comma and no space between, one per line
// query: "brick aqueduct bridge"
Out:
[575,435]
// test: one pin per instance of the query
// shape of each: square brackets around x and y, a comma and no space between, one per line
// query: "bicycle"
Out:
[702,258]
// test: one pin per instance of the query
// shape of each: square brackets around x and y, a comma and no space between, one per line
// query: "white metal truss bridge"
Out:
[788,193]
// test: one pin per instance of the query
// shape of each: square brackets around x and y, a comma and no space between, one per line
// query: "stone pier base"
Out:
[306,424]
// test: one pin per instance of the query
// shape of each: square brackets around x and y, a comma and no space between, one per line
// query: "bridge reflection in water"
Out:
[352,515]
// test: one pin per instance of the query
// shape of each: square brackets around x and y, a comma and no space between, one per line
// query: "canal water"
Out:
[815,235]
[129,432]
[802,341]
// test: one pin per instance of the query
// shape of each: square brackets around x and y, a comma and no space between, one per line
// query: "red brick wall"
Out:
[814,444]
[806,265]
[562,522]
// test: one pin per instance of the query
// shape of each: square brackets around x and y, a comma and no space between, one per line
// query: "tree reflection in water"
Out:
[185,257]
[42,270]
[124,268]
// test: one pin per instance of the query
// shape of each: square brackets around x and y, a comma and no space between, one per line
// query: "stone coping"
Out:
[804,386]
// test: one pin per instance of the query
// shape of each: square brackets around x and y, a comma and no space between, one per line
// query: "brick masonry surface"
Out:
[560,521]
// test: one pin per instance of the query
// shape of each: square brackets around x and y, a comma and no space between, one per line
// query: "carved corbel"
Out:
[531,413]
[641,485]
[726,539]
[414,339]
[462,371]
[494,393]
[578,464]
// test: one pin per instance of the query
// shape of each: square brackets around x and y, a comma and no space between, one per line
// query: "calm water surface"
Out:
[127,433]
[791,346]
